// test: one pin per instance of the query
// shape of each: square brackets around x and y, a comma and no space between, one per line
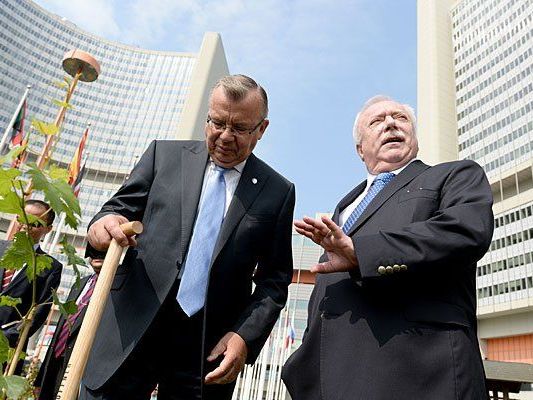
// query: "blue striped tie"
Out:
[379,183]
[193,285]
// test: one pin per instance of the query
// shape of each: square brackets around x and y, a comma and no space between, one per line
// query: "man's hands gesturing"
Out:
[339,247]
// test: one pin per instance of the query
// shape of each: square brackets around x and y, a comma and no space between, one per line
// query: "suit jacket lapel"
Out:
[250,184]
[193,162]
[407,175]
[347,200]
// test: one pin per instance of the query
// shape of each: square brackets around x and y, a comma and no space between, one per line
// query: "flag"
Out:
[23,155]
[291,335]
[75,164]
[76,186]
[17,135]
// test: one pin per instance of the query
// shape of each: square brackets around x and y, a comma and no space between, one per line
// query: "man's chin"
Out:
[224,161]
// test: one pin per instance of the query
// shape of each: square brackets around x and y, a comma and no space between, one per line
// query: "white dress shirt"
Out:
[231,177]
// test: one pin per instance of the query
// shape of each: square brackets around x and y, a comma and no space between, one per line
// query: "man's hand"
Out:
[234,349]
[339,247]
[107,228]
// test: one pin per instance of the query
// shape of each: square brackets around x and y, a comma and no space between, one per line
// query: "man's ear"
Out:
[359,149]
[262,128]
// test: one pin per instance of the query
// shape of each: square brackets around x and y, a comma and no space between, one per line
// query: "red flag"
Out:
[23,155]
[76,186]
[18,126]
[75,164]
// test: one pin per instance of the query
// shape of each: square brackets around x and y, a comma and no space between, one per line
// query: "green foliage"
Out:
[72,258]
[4,348]
[56,172]
[66,308]
[7,177]
[10,203]
[60,103]
[60,84]
[45,128]
[9,301]
[19,253]
[13,153]
[15,386]
[11,354]
[58,193]
[44,262]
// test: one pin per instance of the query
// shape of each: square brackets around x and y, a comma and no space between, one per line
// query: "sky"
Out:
[319,61]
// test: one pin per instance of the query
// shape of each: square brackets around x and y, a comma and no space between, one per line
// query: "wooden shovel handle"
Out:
[74,372]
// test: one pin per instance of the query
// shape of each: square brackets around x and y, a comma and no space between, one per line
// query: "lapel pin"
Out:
[254,180]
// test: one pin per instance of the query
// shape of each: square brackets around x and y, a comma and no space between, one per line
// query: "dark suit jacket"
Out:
[20,287]
[410,333]
[254,244]
[53,369]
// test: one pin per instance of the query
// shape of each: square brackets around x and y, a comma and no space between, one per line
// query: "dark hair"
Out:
[50,214]
[237,88]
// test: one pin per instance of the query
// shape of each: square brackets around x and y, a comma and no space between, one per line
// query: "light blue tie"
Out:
[379,183]
[193,285]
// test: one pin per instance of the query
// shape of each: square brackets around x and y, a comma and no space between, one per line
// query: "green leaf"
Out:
[4,348]
[11,354]
[17,386]
[6,178]
[14,152]
[66,308]
[44,262]
[72,258]
[60,84]
[31,218]
[60,103]
[9,301]
[67,79]
[44,127]
[10,203]
[58,194]
[19,253]
[56,172]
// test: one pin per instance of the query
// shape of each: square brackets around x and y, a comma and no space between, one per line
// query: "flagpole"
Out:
[15,115]
[58,234]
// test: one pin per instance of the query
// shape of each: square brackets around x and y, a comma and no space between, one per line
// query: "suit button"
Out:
[389,269]
[396,268]
[403,267]
[381,270]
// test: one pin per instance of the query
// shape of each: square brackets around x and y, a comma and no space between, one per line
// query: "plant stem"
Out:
[26,325]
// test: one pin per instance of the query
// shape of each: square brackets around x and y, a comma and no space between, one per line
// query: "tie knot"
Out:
[385,177]
[220,169]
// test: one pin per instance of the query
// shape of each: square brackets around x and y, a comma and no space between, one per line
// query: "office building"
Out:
[475,101]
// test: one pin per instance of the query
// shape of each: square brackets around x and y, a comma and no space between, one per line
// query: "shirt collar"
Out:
[239,167]
[370,178]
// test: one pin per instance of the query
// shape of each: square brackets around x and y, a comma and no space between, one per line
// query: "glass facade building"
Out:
[140,95]
[478,54]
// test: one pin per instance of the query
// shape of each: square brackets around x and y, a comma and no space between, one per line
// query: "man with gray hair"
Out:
[393,311]
[183,313]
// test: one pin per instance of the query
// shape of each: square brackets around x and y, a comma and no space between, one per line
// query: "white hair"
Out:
[357,134]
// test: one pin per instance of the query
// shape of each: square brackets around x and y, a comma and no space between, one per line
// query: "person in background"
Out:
[57,357]
[15,282]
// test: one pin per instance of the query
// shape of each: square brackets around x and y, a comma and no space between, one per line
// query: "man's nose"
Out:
[389,122]
[227,134]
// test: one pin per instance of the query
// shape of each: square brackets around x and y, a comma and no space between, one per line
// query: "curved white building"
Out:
[139,96]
